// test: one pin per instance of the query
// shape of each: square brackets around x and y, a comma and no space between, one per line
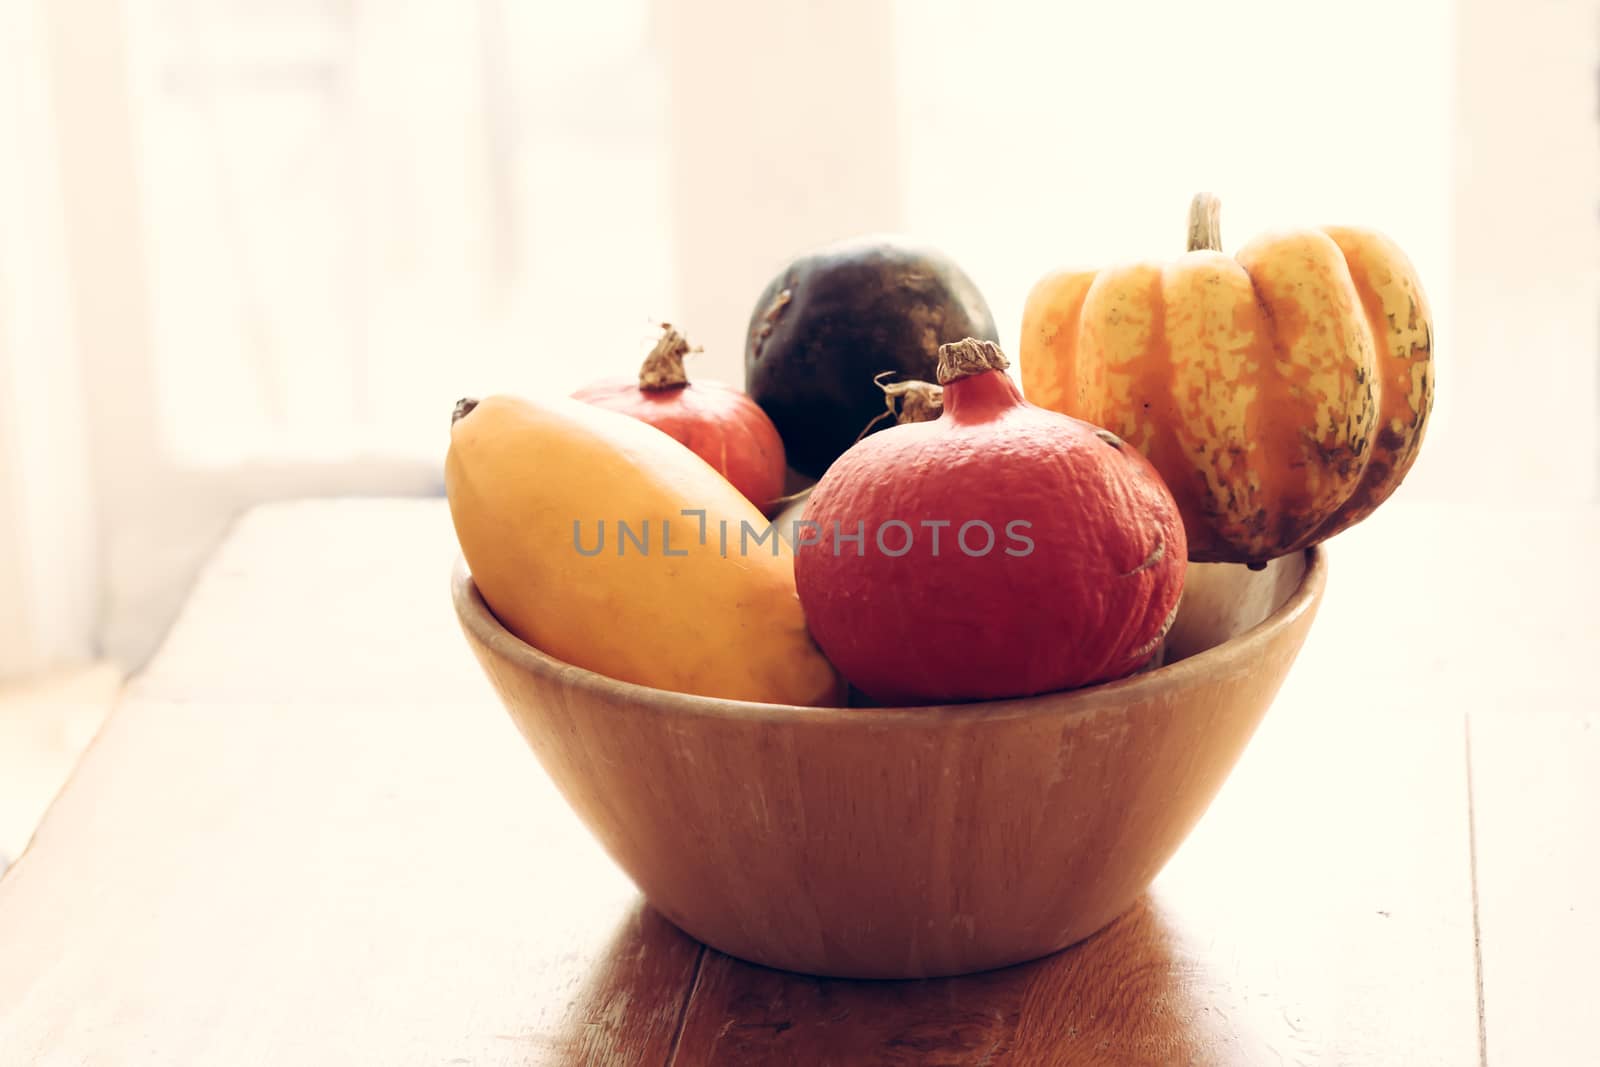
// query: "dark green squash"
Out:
[833,320]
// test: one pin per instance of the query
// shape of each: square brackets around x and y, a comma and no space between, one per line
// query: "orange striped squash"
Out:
[1281,392]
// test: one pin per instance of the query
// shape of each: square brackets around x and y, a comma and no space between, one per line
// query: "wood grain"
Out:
[1536,810]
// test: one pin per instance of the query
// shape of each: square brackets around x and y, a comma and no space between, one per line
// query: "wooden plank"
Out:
[1321,914]
[325,599]
[326,883]
[1433,607]
[314,836]
[1536,809]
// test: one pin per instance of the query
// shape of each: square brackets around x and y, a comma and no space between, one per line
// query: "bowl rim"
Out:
[481,623]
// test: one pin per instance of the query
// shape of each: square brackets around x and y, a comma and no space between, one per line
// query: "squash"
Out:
[1282,393]
[718,423]
[832,320]
[1000,550]
[607,544]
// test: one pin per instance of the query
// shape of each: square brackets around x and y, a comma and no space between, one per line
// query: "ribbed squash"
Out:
[1282,392]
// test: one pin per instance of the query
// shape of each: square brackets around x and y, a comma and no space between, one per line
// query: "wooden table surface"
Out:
[310,835]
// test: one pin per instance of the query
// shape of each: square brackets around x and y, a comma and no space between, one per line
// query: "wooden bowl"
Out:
[909,842]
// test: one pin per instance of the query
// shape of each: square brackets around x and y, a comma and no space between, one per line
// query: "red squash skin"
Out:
[717,422]
[1090,603]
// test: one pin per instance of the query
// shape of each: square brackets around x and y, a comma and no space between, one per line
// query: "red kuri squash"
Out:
[1000,550]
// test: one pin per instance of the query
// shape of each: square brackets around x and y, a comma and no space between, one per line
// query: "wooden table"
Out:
[309,835]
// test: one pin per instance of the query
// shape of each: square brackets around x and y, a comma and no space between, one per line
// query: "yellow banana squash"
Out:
[607,544]
[1282,393]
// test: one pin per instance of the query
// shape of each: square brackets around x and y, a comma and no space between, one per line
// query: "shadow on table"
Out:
[627,1008]
[1135,993]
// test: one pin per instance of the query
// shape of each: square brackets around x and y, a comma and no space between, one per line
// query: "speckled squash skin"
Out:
[1282,392]
[717,422]
[1088,602]
[831,321]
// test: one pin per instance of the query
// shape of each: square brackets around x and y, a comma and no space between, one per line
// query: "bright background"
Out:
[255,249]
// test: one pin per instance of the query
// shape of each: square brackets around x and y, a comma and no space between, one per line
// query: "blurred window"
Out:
[357,211]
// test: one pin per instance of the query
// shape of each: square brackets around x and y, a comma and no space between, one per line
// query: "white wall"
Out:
[17,654]
[1523,360]
[783,135]
[49,565]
